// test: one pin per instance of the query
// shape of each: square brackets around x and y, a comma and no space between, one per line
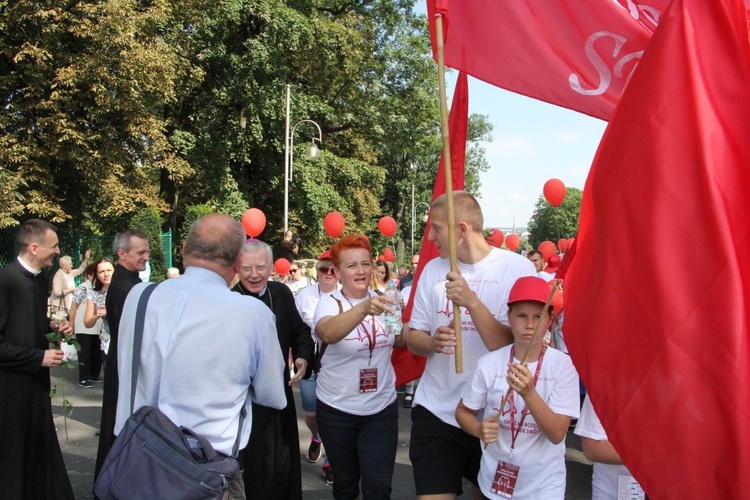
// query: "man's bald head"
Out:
[215,238]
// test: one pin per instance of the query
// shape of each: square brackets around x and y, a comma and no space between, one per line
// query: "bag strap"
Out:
[140,320]
[323,348]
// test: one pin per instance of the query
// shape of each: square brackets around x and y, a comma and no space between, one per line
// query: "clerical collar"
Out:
[28,267]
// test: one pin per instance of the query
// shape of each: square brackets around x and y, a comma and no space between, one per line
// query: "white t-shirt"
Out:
[297,286]
[605,481]
[342,364]
[307,300]
[491,279]
[542,464]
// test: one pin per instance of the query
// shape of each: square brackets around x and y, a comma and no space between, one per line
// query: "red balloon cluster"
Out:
[495,238]
[512,241]
[387,226]
[554,192]
[547,248]
[562,245]
[388,255]
[254,222]
[282,266]
[334,224]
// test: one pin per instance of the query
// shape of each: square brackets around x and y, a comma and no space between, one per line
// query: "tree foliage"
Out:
[115,106]
[552,223]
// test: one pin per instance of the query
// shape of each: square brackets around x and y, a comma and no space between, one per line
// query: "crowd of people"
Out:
[225,338]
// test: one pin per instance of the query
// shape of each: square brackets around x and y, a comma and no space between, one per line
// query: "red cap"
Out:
[553,264]
[529,288]
[325,255]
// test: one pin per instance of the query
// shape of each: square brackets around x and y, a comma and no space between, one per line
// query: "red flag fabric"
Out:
[658,328]
[409,366]
[578,55]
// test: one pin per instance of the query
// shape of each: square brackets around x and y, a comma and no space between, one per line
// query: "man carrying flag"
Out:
[440,452]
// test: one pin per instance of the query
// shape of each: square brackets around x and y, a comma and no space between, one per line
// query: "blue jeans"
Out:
[307,390]
[360,448]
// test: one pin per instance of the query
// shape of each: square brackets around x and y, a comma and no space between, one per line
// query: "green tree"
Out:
[552,223]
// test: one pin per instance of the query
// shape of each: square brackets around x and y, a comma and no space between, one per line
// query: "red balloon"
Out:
[562,244]
[254,222]
[388,255]
[512,241]
[282,266]
[495,238]
[387,226]
[334,224]
[548,249]
[554,192]
[558,301]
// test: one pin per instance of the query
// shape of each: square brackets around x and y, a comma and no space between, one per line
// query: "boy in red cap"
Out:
[525,456]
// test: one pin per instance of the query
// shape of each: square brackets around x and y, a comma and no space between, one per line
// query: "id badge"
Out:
[505,479]
[368,380]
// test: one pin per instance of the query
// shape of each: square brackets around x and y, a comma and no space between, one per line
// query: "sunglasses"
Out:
[325,270]
[293,270]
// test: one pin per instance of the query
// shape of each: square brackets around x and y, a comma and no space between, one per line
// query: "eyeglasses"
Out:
[325,270]
[293,270]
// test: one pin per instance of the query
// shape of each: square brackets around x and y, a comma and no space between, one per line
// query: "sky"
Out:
[532,142]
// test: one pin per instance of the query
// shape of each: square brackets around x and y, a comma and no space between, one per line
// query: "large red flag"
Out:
[576,54]
[407,365]
[658,296]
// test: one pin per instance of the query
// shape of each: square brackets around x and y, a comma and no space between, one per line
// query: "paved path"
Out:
[80,449]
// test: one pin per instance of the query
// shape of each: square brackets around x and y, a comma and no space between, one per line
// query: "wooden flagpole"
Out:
[448,183]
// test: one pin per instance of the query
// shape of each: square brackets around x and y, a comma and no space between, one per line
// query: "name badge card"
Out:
[505,479]
[368,380]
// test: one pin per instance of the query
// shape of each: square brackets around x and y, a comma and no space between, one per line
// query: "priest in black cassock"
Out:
[132,251]
[31,463]
[271,460]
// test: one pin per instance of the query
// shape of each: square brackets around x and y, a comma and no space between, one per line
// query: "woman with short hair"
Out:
[356,408]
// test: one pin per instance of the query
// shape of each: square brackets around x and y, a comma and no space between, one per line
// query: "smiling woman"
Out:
[356,408]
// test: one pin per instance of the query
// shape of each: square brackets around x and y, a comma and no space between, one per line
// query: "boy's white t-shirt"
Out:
[606,477]
[542,464]
[338,382]
[491,280]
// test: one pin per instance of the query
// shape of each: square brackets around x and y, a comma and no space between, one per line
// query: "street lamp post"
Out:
[312,153]
[414,216]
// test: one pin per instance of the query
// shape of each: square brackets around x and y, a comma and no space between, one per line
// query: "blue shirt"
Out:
[204,347]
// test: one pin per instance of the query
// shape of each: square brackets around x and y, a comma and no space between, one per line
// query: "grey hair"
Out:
[254,246]
[65,259]
[216,244]
[122,240]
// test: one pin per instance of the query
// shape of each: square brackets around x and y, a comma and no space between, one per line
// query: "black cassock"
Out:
[122,282]
[271,459]
[31,463]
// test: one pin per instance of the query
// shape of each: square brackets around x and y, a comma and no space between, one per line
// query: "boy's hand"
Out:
[520,380]
[489,430]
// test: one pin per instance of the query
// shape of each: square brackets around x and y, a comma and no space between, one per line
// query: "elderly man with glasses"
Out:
[306,301]
[270,461]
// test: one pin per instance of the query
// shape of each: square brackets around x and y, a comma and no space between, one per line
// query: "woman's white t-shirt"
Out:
[342,364]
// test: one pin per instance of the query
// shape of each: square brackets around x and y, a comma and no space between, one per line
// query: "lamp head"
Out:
[312,153]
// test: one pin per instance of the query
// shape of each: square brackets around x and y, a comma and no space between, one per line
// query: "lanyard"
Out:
[511,399]
[362,329]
